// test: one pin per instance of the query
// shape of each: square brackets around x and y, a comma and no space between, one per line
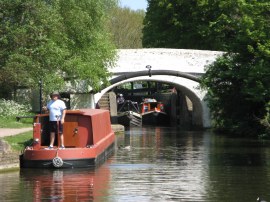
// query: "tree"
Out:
[238,82]
[54,41]
[28,31]
[171,24]
[191,24]
[125,26]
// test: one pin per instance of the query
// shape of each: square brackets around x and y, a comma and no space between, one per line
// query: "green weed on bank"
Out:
[10,122]
[19,142]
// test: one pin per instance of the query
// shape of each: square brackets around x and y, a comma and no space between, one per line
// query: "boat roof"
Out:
[86,112]
[146,100]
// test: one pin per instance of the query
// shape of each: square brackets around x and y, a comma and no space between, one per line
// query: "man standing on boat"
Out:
[57,111]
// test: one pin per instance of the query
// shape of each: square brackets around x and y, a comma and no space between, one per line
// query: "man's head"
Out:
[55,95]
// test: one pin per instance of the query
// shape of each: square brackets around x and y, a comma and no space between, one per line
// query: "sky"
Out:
[134,4]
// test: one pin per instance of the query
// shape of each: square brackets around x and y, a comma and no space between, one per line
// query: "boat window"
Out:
[153,105]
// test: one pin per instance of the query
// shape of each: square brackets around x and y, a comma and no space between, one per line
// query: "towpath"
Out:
[13,131]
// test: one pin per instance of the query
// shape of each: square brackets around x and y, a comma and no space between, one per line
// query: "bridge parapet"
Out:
[183,60]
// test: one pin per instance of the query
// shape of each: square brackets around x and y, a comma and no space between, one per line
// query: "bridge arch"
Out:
[179,67]
[186,83]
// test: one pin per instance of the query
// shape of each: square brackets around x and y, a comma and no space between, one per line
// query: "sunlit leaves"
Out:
[54,41]
[125,26]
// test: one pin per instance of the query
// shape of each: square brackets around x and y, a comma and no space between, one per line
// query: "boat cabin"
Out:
[150,104]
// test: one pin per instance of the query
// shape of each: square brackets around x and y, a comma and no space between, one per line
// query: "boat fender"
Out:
[57,162]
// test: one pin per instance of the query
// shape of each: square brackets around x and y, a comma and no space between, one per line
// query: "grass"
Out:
[10,122]
[19,142]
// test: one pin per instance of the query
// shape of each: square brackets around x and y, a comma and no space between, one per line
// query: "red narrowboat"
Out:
[153,112]
[89,141]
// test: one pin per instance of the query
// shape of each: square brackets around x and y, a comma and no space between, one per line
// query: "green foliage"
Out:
[53,41]
[9,108]
[203,24]
[235,107]
[266,123]
[126,26]
[238,83]
[29,37]
[172,24]
[10,122]
[91,51]
[177,24]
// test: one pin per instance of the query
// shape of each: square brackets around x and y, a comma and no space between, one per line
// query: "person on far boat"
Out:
[57,112]
[120,99]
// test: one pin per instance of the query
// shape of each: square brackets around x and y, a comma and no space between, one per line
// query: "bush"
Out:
[10,108]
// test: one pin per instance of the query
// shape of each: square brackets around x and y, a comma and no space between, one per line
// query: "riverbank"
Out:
[9,159]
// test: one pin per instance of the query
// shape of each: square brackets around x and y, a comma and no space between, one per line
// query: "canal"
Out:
[156,164]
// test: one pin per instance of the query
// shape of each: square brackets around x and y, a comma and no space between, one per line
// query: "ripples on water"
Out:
[156,164]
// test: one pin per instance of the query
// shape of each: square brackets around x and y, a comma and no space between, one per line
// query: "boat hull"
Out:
[67,162]
[129,119]
[155,118]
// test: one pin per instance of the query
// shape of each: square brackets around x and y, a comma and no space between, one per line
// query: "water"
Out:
[156,164]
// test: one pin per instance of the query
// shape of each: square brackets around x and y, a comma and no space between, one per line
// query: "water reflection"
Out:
[238,169]
[67,184]
[172,165]
[156,164]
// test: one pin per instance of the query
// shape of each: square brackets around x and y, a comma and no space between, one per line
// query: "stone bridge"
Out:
[179,67]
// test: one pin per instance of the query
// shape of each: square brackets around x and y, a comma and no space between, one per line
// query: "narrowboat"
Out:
[128,114]
[88,137]
[153,112]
